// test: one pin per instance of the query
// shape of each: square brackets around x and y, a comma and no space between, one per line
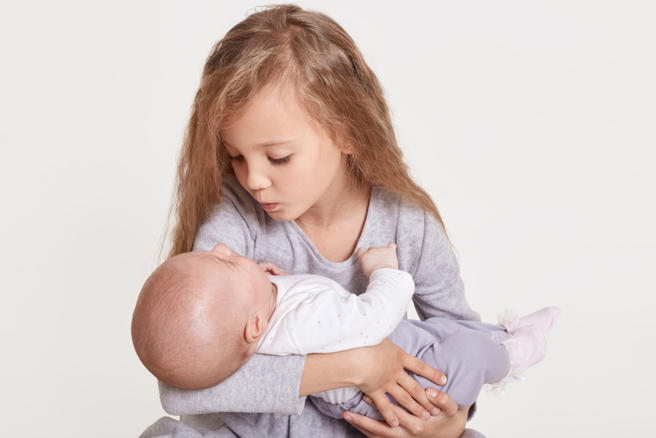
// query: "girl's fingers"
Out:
[417,392]
[412,424]
[385,408]
[442,401]
[421,368]
[370,427]
[444,425]
[406,400]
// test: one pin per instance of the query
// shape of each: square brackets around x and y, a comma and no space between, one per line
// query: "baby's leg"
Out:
[463,350]
[469,353]
[470,359]
[472,353]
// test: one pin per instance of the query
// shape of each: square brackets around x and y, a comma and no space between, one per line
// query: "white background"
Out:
[531,122]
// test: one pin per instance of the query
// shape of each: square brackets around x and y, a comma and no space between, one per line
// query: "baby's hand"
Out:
[271,269]
[377,258]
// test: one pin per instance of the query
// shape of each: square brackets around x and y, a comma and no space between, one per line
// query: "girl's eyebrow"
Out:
[264,144]
[273,143]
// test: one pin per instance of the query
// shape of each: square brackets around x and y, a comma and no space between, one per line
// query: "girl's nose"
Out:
[256,179]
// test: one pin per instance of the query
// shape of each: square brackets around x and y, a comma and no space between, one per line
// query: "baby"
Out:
[201,315]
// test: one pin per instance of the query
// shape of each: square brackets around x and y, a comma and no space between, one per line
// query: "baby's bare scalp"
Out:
[183,325]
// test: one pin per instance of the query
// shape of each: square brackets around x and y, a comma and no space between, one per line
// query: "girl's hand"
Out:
[384,372]
[449,424]
[271,269]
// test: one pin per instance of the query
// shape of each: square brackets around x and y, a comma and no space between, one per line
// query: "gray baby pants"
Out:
[463,350]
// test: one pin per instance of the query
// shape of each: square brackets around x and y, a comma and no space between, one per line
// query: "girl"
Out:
[290,155]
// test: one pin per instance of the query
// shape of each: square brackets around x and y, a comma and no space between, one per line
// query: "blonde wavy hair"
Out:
[334,85]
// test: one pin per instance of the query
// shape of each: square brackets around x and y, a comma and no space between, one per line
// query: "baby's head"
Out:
[200,316]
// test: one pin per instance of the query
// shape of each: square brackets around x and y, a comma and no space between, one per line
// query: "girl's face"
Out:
[283,161]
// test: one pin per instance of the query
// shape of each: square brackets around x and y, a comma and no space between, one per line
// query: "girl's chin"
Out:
[285,214]
[280,216]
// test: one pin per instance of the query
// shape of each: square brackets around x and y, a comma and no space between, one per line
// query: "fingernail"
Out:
[436,411]
[395,424]
[367,399]
[432,393]
[443,380]
[425,415]
[348,418]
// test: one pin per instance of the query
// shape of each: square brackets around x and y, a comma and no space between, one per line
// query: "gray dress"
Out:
[261,399]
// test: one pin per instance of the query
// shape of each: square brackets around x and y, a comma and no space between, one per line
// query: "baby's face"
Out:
[244,275]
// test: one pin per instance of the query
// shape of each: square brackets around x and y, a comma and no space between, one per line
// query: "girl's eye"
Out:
[277,161]
[237,158]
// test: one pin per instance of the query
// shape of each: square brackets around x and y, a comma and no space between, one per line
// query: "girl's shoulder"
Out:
[408,220]
[415,231]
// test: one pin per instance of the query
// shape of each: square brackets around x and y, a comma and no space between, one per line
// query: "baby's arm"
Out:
[377,258]
[328,318]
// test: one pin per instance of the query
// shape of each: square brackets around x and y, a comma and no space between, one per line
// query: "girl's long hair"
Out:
[311,52]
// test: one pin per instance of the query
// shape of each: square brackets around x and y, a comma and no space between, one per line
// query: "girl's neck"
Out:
[335,208]
[335,224]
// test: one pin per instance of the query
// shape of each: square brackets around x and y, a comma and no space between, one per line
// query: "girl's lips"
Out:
[268,205]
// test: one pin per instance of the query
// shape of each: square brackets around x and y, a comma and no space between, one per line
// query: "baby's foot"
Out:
[544,319]
[526,347]
[530,346]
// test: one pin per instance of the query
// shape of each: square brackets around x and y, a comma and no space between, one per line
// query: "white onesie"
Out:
[315,314]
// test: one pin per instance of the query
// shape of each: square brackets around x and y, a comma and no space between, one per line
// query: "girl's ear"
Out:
[255,328]
[347,149]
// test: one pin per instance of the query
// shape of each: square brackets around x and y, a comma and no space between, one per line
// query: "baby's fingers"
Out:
[384,407]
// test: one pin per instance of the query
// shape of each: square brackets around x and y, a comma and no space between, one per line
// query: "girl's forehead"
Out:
[274,100]
[270,119]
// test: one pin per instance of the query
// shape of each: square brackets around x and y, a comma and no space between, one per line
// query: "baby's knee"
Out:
[479,351]
[468,347]
[469,359]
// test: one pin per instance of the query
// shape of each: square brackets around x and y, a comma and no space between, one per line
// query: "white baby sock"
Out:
[543,318]
[524,340]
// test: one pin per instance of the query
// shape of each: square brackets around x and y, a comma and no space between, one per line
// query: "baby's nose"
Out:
[222,248]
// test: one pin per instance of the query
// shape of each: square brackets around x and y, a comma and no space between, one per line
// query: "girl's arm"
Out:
[279,384]
[271,382]
[375,371]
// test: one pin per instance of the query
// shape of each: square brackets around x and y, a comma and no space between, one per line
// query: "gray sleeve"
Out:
[265,384]
[439,290]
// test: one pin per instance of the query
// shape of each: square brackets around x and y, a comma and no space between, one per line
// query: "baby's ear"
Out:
[255,327]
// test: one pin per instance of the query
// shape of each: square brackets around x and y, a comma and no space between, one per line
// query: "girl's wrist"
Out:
[323,372]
